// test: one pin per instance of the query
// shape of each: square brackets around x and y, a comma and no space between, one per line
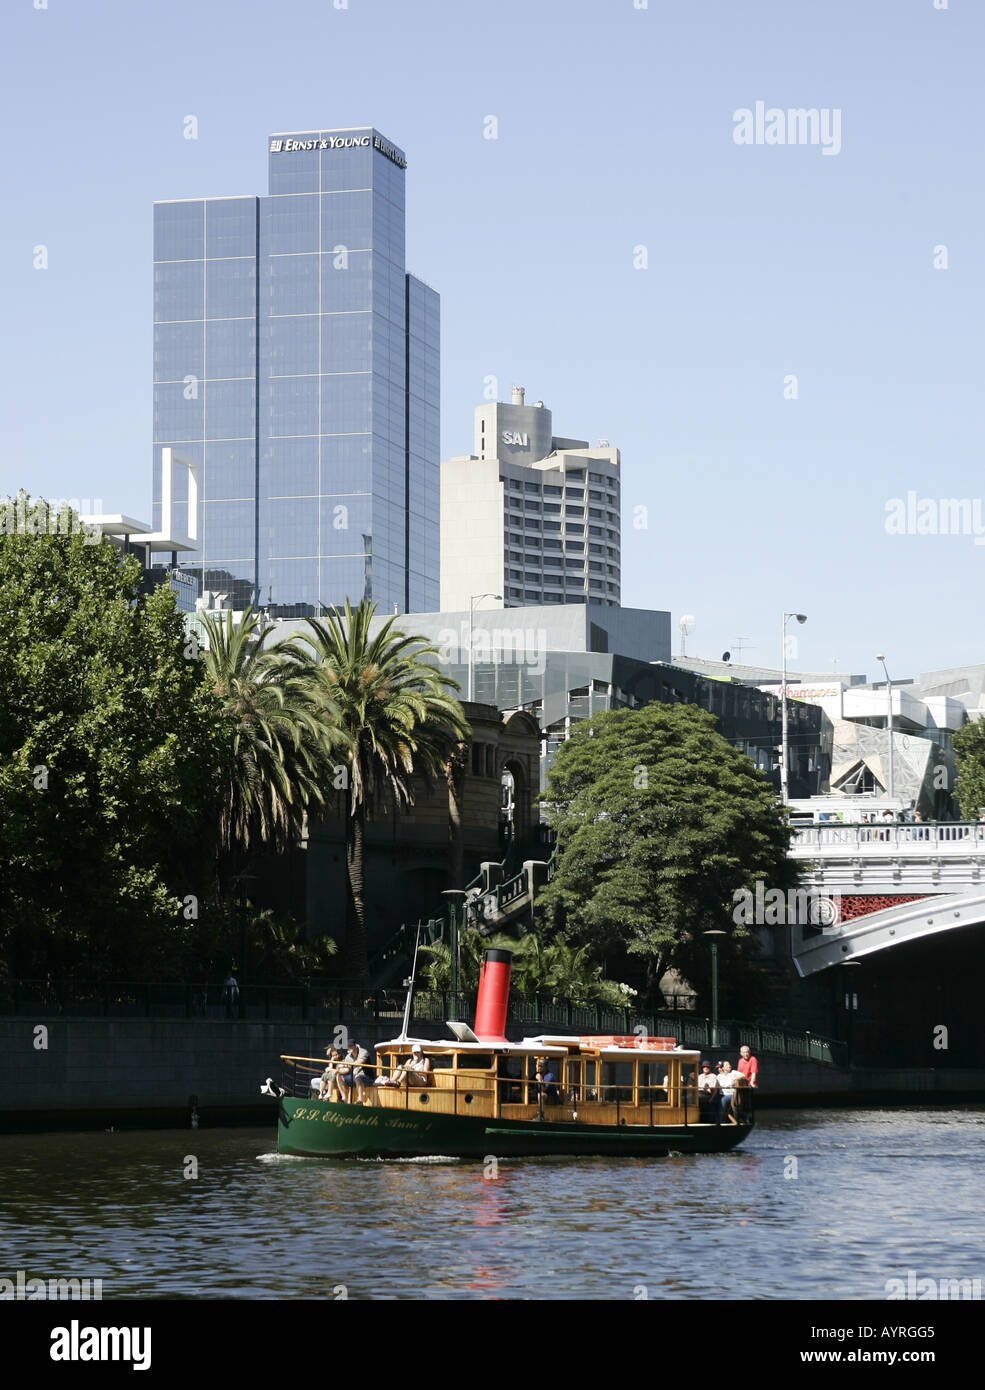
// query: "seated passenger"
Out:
[354,1073]
[418,1069]
[708,1094]
[726,1085]
[546,1085]
[741,1100]
[328,1082]
[416,1072]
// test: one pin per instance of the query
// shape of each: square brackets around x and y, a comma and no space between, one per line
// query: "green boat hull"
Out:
[331,1129]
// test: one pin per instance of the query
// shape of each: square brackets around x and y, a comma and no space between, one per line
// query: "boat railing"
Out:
[617,1103]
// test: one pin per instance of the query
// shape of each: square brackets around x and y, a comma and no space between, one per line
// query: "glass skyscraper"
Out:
[296,361]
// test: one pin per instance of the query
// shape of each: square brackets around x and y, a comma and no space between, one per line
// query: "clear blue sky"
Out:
[615,131]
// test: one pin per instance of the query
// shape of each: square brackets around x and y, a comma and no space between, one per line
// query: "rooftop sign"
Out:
[340,142]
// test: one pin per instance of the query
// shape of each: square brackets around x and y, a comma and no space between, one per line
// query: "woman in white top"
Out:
[726,1083]
[417,1071]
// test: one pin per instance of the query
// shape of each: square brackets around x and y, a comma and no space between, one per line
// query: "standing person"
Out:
[230,993]
[748,1065]
[708,1094]
[726,1084]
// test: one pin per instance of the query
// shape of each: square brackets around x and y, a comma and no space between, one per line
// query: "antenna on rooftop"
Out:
[686,625]
[740,644]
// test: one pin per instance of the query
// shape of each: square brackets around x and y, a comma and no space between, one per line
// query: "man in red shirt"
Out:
[748,1065]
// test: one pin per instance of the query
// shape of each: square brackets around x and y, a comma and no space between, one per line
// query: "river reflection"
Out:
[824,1205]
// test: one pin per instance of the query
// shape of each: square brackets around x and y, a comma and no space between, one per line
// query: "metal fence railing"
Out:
[328,1003]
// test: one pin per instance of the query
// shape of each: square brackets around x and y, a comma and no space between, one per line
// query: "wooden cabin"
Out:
[597,1080]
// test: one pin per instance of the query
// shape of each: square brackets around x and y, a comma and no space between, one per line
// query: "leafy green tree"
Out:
[398,720]
[969,754]
[110,752]
[659,821]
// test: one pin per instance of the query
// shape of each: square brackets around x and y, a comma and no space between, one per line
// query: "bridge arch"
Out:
[881,931]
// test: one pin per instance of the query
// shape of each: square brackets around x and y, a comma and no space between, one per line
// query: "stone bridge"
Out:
[885,885]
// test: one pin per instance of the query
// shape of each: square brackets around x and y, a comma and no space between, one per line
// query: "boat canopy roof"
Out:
[615,1050]
[550,1045]
[442,1045]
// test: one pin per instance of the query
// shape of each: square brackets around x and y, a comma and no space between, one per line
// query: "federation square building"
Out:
[296,374]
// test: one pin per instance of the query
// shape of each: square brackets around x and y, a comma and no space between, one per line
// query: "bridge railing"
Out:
[961,837]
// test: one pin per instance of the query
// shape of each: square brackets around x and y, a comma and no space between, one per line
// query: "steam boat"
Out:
[479,1094]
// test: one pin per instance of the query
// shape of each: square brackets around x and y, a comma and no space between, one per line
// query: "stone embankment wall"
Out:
[130,1072]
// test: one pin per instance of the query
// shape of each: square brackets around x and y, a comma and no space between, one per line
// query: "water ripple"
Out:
[869,1196]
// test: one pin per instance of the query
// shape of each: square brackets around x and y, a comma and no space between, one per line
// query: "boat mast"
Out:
[410,989]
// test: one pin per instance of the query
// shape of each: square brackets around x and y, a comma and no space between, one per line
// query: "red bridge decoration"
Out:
[862,904]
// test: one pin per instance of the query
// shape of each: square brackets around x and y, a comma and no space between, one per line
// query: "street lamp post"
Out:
[889,688]
[473,600]
[801,618]
[851,1004]
[714,934]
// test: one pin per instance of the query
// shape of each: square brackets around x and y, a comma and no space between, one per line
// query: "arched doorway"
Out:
[514,810]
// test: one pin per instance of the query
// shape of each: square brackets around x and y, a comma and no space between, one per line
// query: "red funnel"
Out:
[494,993]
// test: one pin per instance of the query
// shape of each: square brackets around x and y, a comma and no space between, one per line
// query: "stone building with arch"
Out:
[413,855]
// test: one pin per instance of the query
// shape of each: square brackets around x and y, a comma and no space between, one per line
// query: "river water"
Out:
[814,1205]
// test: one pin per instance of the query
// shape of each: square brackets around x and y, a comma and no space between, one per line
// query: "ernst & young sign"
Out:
[340,142]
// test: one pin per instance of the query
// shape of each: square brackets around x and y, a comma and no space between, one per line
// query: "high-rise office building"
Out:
[530,517]
[296,366]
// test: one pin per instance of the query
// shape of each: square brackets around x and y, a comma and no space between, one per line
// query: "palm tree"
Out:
[398,719]
[471,948]
[563,973]
[283,741]
[455,779]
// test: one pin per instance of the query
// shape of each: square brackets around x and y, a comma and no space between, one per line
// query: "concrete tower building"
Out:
[529,516]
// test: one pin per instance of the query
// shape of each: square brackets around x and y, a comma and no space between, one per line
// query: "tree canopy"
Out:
[110,749]
[969,753]
[659,822]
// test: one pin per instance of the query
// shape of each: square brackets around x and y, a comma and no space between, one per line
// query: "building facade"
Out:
[562,664]
[131,537]
[528,516]
[296,365]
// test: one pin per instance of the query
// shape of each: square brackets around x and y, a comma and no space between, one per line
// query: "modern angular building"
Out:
[528,516]
[296,368]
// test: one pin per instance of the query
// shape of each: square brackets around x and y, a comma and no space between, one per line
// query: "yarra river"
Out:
[814,1205]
